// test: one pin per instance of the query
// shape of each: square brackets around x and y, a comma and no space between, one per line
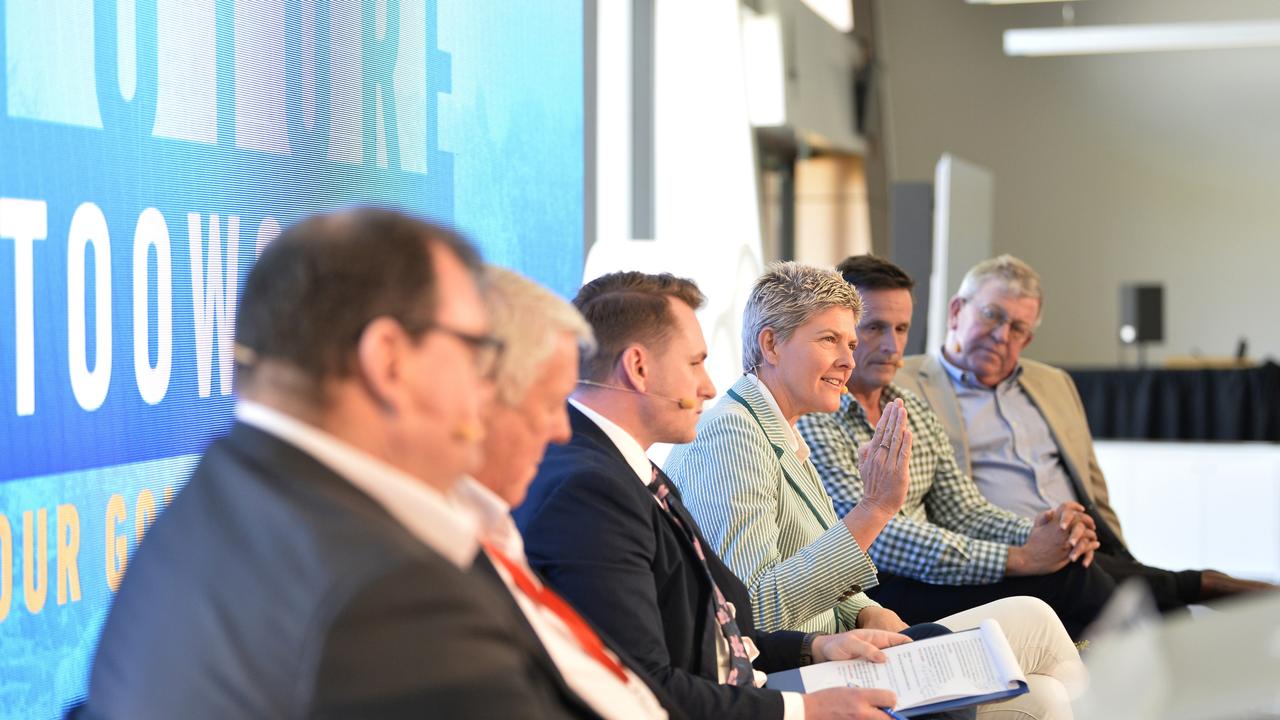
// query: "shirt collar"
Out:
[795,443]
[493,515]
[436,519]
[626,444]
[967,378]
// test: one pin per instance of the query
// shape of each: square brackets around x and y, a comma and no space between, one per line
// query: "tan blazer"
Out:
[1054,393]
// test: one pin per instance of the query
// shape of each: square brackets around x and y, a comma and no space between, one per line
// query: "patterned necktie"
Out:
[740,672]
[587,638]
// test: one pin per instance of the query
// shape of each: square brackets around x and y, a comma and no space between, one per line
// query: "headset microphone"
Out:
[684,403]
[468,432]
[899,363]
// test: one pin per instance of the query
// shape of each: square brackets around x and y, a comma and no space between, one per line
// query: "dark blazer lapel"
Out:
[585,431]
[734,591]
[676,502]
[285,460]
[586,434]
[298,472]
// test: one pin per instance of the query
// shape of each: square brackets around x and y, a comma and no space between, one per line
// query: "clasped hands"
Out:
[1062,535]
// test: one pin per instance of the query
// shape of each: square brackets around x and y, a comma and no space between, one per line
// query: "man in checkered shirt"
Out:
[948,548]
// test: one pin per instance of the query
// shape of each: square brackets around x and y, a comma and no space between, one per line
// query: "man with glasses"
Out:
[1018,428]
[947,549]
[318,562]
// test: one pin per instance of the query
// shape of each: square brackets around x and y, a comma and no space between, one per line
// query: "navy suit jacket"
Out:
[597,535]
[272,587]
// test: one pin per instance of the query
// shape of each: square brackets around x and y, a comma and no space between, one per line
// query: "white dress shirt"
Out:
[793,703]
[429,515]
[593,682]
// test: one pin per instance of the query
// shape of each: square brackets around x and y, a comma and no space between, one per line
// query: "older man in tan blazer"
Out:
[1018,426]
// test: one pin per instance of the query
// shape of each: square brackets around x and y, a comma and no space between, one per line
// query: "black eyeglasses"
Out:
[486,350]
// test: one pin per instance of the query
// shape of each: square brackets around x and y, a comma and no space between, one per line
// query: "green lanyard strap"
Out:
[840,622]
[779,451]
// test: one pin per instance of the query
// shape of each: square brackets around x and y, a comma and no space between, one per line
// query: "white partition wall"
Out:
[1198,505]
[964,201]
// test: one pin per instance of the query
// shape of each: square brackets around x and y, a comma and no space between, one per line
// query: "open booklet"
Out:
[965,668]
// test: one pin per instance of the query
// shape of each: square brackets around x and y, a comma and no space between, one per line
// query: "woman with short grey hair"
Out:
[747,477]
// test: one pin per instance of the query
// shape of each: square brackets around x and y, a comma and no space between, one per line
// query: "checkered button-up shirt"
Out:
[946,533]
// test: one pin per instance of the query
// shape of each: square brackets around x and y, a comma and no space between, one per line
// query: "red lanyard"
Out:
[587,638]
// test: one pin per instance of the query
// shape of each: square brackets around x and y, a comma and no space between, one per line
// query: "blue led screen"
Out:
[148,150]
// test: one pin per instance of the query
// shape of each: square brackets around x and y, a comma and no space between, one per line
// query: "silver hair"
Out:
[784,298]
[1015,277]
[525,316]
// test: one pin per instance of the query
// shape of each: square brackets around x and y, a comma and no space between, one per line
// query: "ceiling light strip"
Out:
[1108,39]
[1012,2]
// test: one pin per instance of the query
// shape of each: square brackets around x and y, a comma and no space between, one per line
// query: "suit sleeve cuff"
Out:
[857,566]
[792,706]
[851,608]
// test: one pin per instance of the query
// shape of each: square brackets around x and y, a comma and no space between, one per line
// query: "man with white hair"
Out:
[1018,426]
[541,335]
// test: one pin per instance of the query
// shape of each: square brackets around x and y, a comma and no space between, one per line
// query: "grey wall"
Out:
[911,221]
[1156,167]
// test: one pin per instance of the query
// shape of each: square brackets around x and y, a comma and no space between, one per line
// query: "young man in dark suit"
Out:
[315,565]
[608,532]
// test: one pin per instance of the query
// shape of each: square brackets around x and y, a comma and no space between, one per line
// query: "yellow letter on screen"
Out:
[144,512]
[35,591]
[68,553]
[6,567]
[117,545]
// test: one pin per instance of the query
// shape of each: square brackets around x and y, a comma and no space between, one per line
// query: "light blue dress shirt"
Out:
[1016,462]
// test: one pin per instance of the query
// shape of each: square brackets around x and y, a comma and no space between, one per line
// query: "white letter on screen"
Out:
[153,382]
[214,302]
[346,82]
[24,221]
[268,229]
[89,228]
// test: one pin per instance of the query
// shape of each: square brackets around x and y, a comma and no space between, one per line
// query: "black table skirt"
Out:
[1230,405]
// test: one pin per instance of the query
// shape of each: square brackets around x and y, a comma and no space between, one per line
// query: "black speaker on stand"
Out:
[1141,316]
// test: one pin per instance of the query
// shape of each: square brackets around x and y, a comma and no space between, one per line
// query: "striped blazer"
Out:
[769,517]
